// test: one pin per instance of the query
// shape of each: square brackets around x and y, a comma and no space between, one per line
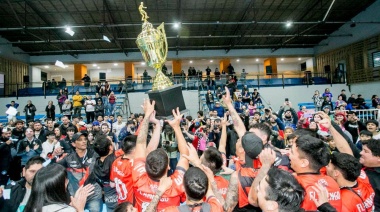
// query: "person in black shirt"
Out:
[19,131]
[65,124]
[343,95]
[5,155]
[353,125]
[87,81]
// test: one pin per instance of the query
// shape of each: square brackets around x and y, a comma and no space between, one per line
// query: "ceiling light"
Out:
[191,61]
[257,60]
[69,31]
[59,64]
[211,61]
[299,58]
[115,64]
[289,24]
[143,63]
[106,39]
[94,65]
[176,25]
[237,60]
[98,67]
[282,59]
[377,59]
[46,66]
[65,66]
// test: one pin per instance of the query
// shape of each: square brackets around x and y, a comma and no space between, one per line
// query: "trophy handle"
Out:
[161,29]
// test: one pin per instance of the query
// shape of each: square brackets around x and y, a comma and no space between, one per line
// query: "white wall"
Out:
[67,74]
[366,89]
[7,51]
[35,75]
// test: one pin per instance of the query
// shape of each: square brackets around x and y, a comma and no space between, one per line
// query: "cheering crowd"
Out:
[233,159]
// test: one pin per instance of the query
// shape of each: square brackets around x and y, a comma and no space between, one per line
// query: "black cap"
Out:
[252,145]
[77,135]
[351,112]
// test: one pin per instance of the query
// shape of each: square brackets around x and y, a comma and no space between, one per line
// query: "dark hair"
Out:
[366,132]
[212,159]
[195,183]
[347,164]
[48,188]
[122,207]
[256,113]
[200,113]
[104,124]
[156,164]
[284,189]
[101,145]
[70,129]
[373,122]
[189,118]
[314,150]
[129,143]
[49,133]
[34,160]
[303,131]
[119,115]
[263,128]
[374,146]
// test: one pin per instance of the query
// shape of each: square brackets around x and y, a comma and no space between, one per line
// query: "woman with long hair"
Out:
[111,103]
[66,109]
[61,97]
[58,134]
[49,192]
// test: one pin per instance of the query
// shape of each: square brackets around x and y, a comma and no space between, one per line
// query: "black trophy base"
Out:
[167,100]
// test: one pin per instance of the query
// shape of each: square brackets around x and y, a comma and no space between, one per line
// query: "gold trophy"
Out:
[154,49]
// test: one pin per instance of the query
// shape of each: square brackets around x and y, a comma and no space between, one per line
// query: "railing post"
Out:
[283,83]
[258,82]
[16,90]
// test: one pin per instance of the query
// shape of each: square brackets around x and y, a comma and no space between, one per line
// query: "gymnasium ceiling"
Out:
[38,26]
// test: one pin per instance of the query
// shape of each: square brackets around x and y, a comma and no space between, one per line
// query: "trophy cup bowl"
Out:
[154,48]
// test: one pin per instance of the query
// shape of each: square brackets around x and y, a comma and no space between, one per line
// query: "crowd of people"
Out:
[235,158]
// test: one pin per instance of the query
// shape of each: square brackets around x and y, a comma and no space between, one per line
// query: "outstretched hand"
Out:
[153,119]
[148,107]
[227,97]
[193,156]
[177,117]
[325,120]
[80,197]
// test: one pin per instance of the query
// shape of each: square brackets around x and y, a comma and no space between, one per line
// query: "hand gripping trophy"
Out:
[154,49]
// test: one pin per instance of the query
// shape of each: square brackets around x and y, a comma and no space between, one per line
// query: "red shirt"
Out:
[145,188]
[351,200]
[214,203]
[308,180]
[222,185]
[121,175]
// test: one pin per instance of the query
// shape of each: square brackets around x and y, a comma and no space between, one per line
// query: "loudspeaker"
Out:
[268,70]
[327,69]
[26,79]
[102,76]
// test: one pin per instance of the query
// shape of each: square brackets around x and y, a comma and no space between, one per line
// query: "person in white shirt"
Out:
[89,105]
[49,145]
[118,125]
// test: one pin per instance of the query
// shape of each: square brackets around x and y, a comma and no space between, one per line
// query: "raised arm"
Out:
[155,140]
[232,193]
[223,137]
[143,134]
[182,146]
[267,158]
[341,142]
[212,186]
[238,123]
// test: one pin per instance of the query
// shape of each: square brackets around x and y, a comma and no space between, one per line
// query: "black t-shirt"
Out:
[102,170]
[18,134]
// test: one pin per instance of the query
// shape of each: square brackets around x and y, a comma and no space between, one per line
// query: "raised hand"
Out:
[153,119]
[227,97]
[80,197]
[193,156]
[267,156]
[322,194]
[177,117]
[148,107]
[325,120]
[223,122]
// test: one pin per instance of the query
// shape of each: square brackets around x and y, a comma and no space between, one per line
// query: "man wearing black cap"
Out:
[80,166]
[353,125]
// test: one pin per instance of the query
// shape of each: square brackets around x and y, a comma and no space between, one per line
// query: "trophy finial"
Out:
[144,15]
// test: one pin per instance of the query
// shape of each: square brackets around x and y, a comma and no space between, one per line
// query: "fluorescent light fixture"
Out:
[106,39]
[176,25]
[299,58]
[211,61]
[377,59]
[46,66]
[143,63]
[69,31]
[115,64]
[94,65]
[98,67]
[289,24]
[60,64]
[237,60]
[282,59]
[191,61]
[257,60]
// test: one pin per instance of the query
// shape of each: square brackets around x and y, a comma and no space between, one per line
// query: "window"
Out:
[376,59]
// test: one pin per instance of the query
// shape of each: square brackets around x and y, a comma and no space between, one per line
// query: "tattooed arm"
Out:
[143,134]
[238,123]
[232,193]
[156,134]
